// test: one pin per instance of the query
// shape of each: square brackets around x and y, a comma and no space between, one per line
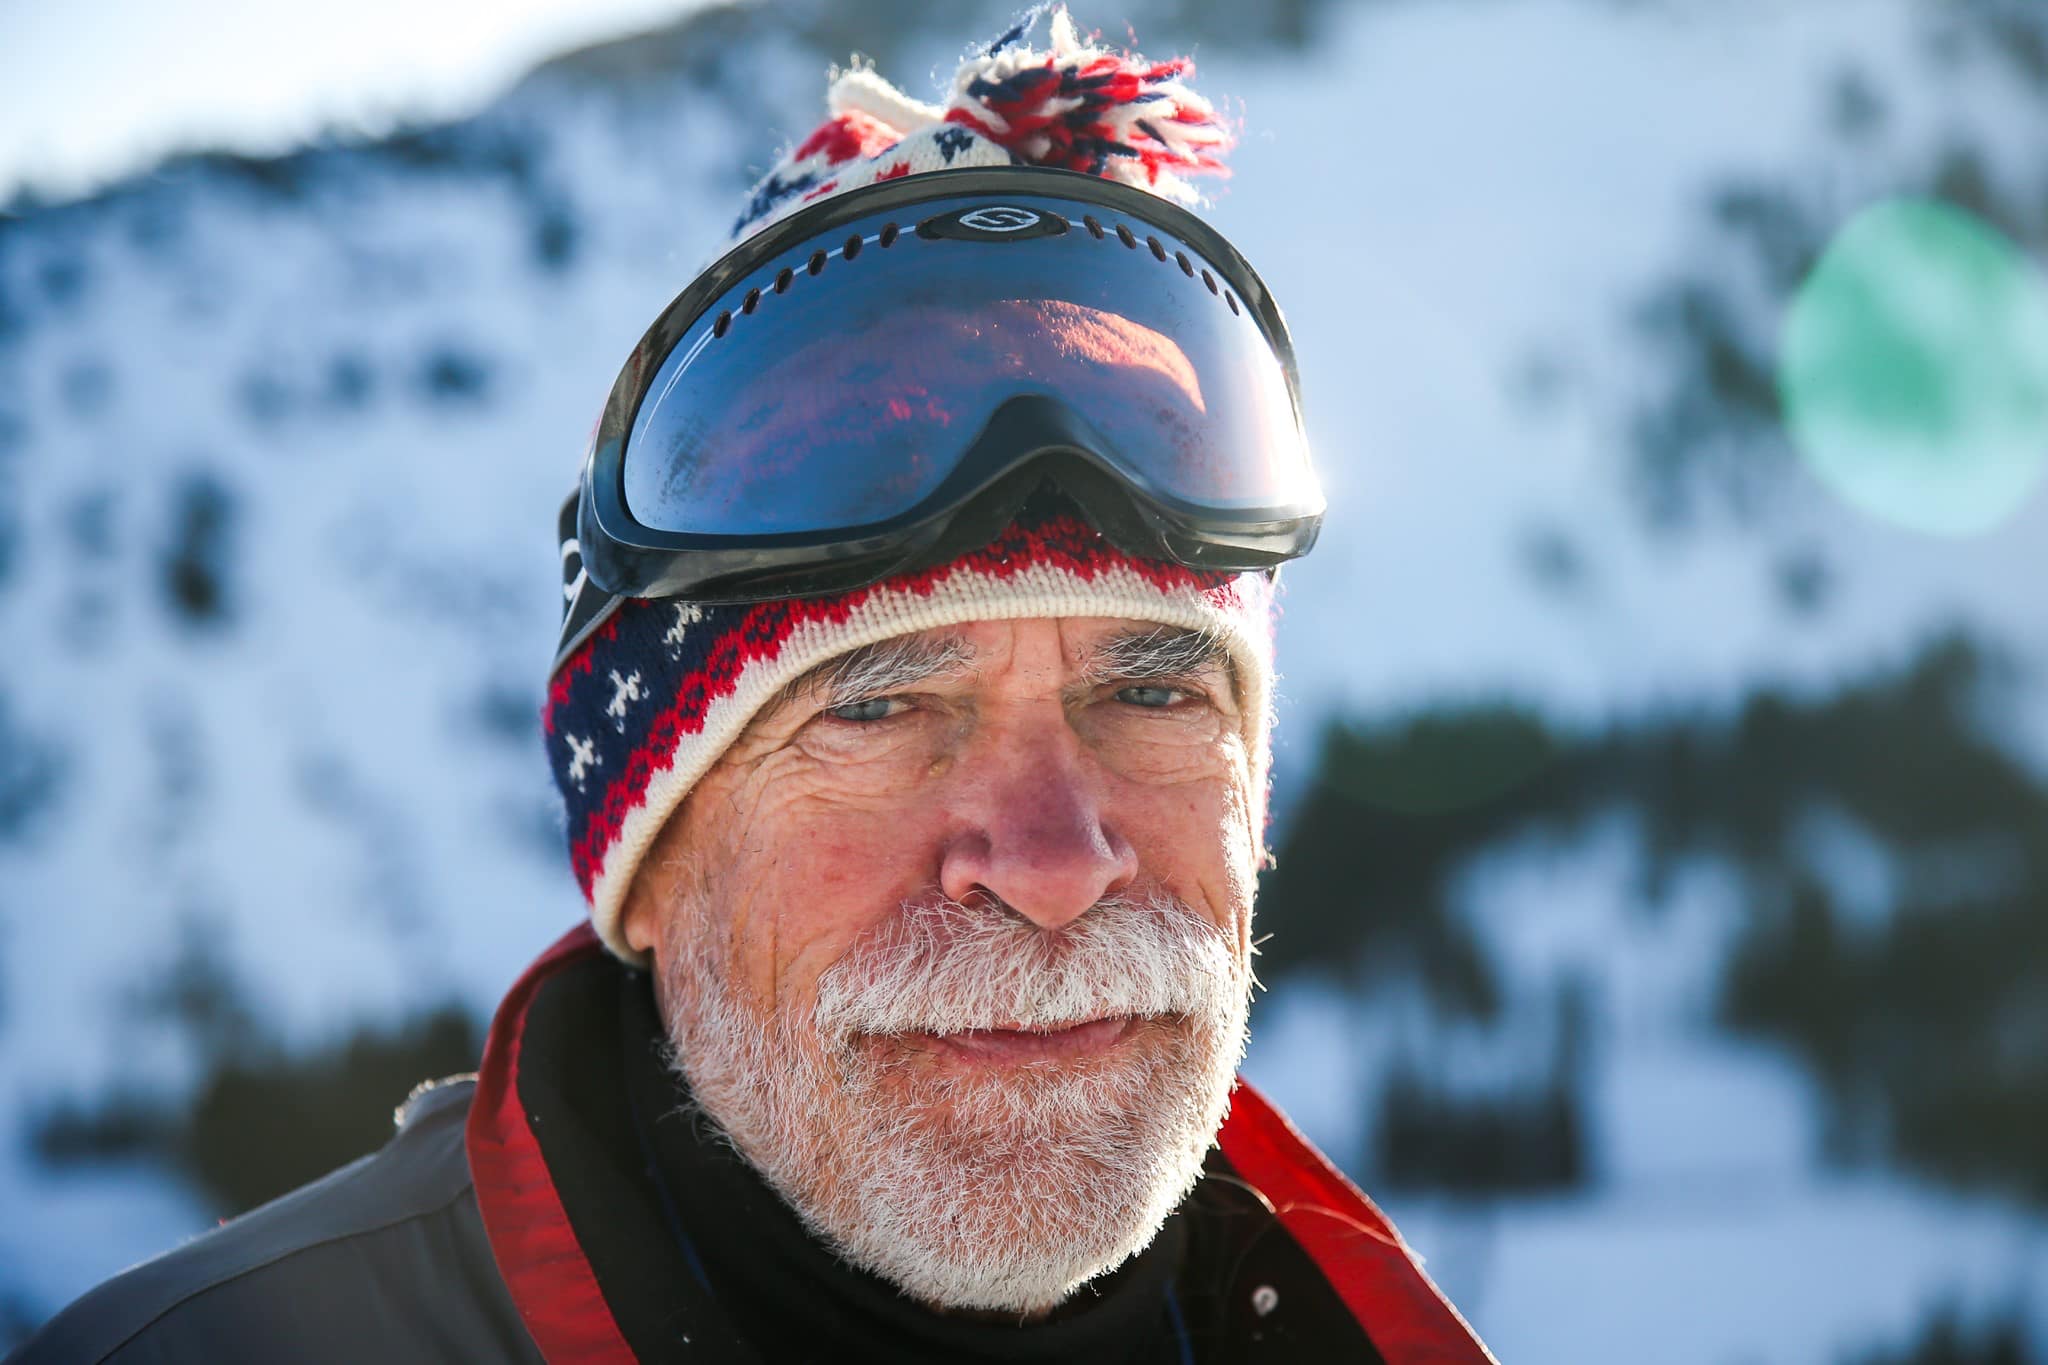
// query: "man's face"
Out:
[954,944]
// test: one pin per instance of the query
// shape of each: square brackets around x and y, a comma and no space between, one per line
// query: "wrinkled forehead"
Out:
[1091,649]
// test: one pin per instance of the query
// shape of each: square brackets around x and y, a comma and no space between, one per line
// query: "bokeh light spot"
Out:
[1914,369]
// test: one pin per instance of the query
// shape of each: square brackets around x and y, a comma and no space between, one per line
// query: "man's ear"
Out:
[637,920]
[657,886]
[651,889]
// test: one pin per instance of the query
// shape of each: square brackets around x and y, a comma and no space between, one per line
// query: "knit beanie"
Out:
[651,699]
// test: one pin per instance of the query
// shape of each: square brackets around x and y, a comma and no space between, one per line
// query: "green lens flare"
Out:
[1914,369]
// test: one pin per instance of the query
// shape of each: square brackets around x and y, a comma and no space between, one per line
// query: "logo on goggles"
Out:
[999,222]
[999,218]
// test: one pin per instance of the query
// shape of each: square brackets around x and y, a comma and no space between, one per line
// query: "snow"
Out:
[1711,1231]
[1716,1272]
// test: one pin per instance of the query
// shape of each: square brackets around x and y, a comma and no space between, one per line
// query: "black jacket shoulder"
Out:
[385,1260]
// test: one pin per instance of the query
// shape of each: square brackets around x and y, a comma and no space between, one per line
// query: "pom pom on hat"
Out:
[1075,106]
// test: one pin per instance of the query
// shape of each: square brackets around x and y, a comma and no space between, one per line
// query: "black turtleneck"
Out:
[795,1301]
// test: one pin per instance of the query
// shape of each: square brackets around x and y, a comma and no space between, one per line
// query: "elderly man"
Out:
[911,717]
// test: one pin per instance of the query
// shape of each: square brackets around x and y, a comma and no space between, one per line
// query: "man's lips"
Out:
[1025,1045]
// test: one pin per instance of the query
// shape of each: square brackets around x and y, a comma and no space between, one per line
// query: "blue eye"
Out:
[1154,698]
[863,712]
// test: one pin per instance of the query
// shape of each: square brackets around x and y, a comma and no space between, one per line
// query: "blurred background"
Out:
[1660,930]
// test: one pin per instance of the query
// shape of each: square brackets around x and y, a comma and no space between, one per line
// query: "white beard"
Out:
[1004,1189]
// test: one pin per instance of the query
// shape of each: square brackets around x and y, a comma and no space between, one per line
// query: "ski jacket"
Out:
[501,1222]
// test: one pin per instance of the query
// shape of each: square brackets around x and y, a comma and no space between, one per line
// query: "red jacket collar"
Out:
[1349,1239]
[536,1250]
[1343,1232]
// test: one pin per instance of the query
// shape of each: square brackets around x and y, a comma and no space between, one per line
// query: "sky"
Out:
[91,90]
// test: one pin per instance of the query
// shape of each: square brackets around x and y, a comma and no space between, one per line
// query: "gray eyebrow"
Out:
[878,669]
[1157,652]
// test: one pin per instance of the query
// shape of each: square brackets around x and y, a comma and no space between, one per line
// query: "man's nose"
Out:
[1037,835]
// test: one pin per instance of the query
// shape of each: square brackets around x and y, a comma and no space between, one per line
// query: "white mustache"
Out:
[939,966]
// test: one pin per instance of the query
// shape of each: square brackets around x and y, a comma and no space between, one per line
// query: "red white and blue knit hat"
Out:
[645,706]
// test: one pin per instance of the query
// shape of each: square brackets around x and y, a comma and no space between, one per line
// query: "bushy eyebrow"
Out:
[1139,654]
[878,669]
[1144,653]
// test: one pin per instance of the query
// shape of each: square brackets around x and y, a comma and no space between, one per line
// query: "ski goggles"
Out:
[881,381]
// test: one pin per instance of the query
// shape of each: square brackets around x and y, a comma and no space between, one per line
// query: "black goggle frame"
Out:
[609,555]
